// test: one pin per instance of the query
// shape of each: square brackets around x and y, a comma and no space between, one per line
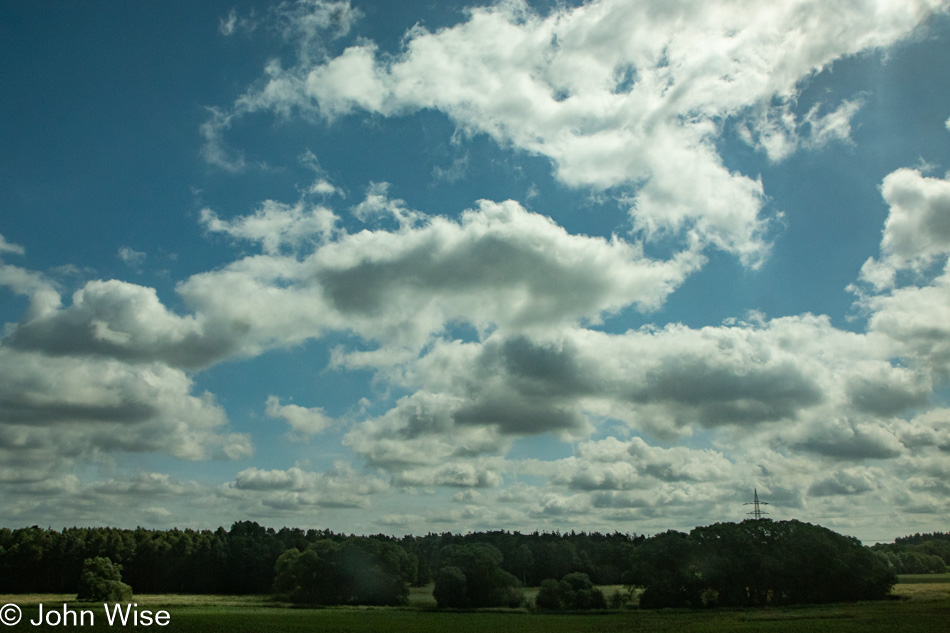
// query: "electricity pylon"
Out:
[755,503]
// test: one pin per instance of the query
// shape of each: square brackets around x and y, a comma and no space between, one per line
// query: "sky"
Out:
[425,266]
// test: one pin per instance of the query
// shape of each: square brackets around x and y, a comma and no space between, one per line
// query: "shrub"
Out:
[354,571]
[101,581]
[471,576]
[451,588]
[575,591]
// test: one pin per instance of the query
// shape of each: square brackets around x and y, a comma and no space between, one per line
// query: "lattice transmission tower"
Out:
[756,513]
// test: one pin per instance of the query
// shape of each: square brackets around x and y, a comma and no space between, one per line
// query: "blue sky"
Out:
[413,267]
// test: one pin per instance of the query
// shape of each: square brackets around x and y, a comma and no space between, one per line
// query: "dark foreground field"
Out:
[920,607]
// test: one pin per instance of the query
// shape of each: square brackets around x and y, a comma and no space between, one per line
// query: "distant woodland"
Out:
[242,560]
[749,563]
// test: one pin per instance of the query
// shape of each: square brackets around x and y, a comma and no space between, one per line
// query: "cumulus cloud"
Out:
[614,93]
[849,481]
[102,376]
[279,227]
[498,266]
[146,484]
[420,431]
[115,319]
[377,205]
[847,439]
[917,230]
[795,384]
[43,293]
[461,474]
[302,420]
[905,293]
[294,489]
[929,429]
[55,411]
[137,498]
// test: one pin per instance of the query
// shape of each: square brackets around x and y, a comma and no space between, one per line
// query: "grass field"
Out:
[922,607]
[918,579]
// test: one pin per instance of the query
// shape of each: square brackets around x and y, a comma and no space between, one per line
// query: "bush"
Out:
[101,581]
[451,588]
[575,591]
[355,571]
[471,576]
[548,596]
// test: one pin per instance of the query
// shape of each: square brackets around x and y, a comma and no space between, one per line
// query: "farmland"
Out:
[921,605]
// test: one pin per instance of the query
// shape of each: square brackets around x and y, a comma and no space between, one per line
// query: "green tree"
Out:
[757,562]
[479,574]
[575,591]
[451,588]
[354,571]
[101,581]
[664,565]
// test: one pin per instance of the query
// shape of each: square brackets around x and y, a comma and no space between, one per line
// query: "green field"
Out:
[923,578]
[918,607]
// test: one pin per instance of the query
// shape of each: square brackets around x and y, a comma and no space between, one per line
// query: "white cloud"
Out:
[918,318]
[459,474]
[57,410]
[917,230]
[132,258]
[377,205]
[931,428]
[146,484]
[499,266]
[303,421]
[796,384]
[918,225]
[138,498]
[323,187]
[227,25]
[9,247]
[615,93]
[664,381]
[214,150]
[115,319]
[420,432]
[296,490]
[833,126]
[778,132]
[907,292]
[43,294]
[307,23]
[849,481]
[279,227]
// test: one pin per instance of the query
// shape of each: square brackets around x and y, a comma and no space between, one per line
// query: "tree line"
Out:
[243,559]
[755,562]
[918,553]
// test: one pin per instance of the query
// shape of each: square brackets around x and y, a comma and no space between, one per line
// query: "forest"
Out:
[918,553]
[242,560]
[750,563]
